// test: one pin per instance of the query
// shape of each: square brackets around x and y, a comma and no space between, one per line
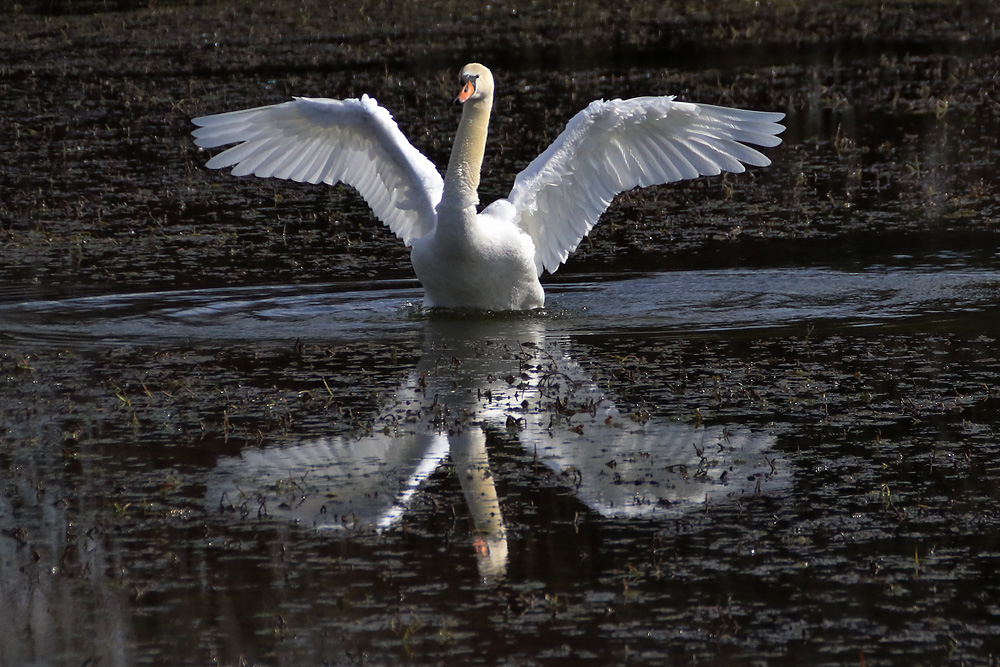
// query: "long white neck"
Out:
[461,182]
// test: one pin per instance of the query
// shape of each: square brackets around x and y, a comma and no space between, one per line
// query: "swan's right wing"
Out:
[314,140]
[611,147]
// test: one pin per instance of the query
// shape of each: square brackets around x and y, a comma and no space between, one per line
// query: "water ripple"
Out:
[672,303]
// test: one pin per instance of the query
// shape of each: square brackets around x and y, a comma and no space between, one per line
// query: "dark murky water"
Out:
[757,423]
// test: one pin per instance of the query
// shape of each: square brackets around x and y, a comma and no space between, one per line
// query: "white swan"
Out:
[492,259]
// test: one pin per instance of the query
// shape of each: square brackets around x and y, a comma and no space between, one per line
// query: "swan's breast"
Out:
[477,261]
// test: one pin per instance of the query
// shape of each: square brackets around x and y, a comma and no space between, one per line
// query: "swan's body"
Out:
[491,259]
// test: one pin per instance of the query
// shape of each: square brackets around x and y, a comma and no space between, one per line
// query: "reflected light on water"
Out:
[501,375]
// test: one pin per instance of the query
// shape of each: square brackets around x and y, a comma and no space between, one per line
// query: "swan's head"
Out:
[477,84]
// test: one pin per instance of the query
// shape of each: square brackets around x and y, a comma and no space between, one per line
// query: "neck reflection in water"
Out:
[499,376]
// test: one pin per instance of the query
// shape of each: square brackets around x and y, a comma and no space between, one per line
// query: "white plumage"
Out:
[490,260]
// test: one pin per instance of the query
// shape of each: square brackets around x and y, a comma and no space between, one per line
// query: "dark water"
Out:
[756,424]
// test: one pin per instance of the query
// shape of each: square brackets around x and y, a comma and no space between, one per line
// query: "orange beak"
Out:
[468,89]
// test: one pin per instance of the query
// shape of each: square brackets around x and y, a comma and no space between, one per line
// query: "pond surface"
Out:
[756,423]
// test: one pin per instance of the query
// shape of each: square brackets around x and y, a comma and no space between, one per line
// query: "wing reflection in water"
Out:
[501,374]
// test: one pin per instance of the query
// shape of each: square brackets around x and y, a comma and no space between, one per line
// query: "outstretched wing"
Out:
[611,147]
[314,139]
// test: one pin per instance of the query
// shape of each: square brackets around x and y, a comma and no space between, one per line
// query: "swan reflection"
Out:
[499,375]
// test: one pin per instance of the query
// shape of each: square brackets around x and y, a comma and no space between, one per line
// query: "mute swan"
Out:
[489,260]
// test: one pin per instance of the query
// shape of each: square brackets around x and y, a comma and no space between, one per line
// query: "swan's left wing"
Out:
[316,140]
[611,147]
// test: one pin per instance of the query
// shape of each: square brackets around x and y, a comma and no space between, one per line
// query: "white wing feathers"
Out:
[310,140]
[611,147]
